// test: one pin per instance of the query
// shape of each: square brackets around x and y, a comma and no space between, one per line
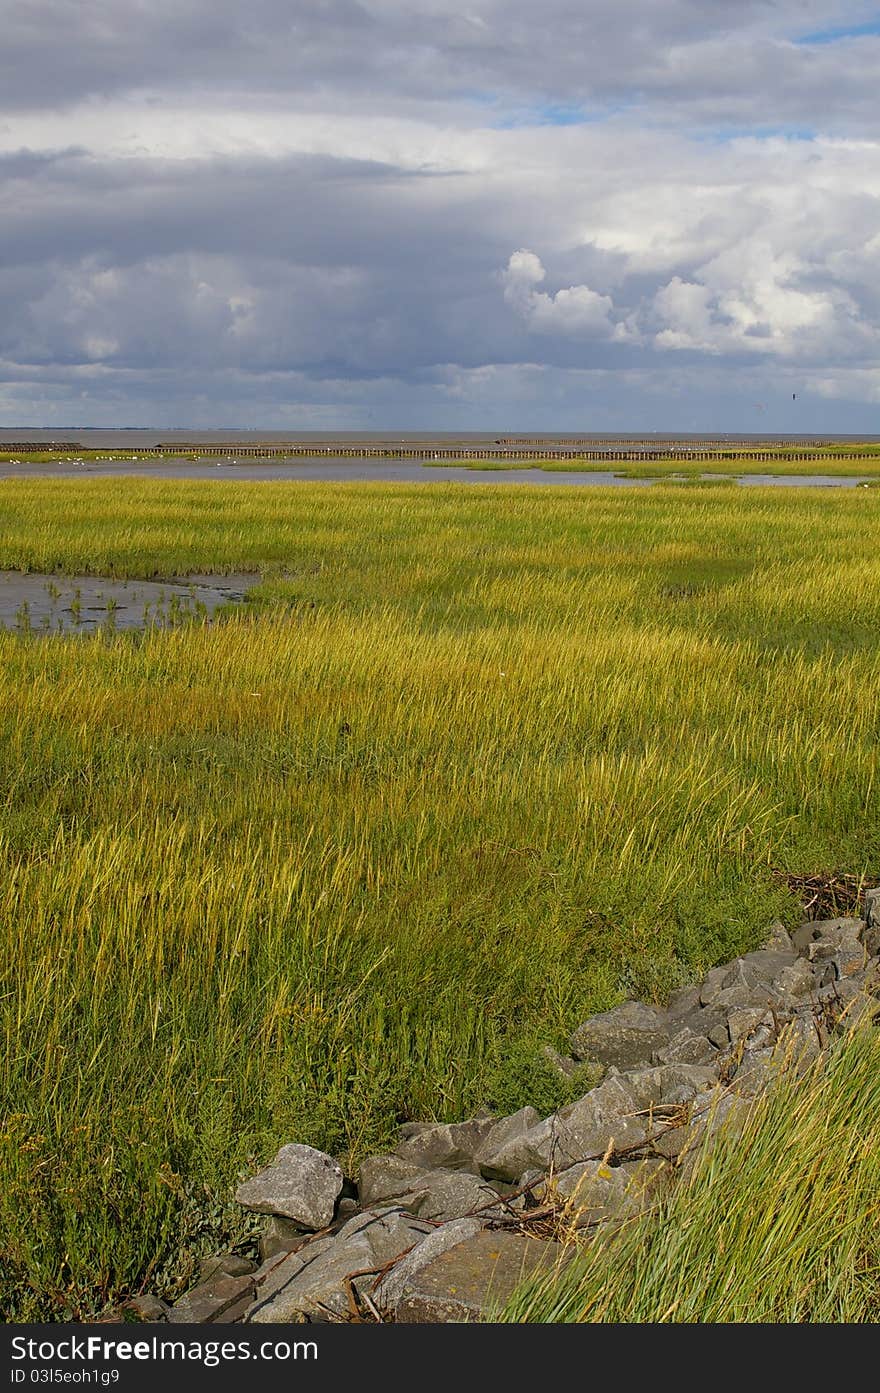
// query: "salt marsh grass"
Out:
[472,764]
[778,1225]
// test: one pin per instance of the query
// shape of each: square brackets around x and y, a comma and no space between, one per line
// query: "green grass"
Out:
[861,465]
[474,764]
[779,1225]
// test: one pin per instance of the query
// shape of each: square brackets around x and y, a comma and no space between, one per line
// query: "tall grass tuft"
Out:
[779,1224]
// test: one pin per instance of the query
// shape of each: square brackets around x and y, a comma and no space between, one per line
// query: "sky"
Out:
[584,215]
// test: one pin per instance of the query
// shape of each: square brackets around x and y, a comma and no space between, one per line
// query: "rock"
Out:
[871,931]
[625,1036]
[445,1195]
[317,1288]
[579,1131]
[766,963]
[389,1232]
[451,1145]
[816,929]
[386,1177]
[471,1280]
[778,939]
[597,1192]
[685,1047]
[412,1129]
[313,1289]
[147,1308]
[225,1265]
[561,1063]
[796,982]
[799,1043]
[393,1285]
[670,1083]
[281,1236]
[220,1299]
[744,1020]
[301,1184]
[505,1130]
[605,1117]
[711,985]
[719,1036]
[684,1002]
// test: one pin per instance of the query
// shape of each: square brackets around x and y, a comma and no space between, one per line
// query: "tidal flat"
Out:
[470,765]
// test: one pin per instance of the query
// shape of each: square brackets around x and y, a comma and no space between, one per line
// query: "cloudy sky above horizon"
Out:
[418,214]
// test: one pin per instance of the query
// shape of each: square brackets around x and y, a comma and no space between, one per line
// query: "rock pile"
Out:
[445,1227]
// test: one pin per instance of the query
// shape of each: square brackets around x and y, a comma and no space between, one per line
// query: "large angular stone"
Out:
[301,1184]
[220,1299]
[443,1194]
[389,1232]
[281,1236]
[452,1145]
[505,1130]
[871,931]
[386,1177]
[670,1083]
[686,1047]
[315,1290]
[625,1036]
[393,1285]
[767,963]
[815,929]
[597,1192]
[472,1280]
[604,1119]
[796,982]
[319,1288]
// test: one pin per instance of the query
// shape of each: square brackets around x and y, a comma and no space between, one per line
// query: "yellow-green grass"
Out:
[475,763]
[865,465]
[780,1224]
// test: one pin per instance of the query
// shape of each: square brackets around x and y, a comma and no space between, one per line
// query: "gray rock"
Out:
[317,1288]
[684,1002]
[871,931]
[451,1145]
[815,929]
[301,1184]
[686,1047]
[743,1021]
[225,1265]
[800,1042]
[670,1083]
[446,1195]
[778,940]
[719,1036]
[766,963]
[606,1117]
[601,1119]
[711,985]
[396,1282]
[386,1177]
[625,1036]
[220,1299]
[389,1232]
[281,1236]
[505,1130]
[148,1308]
[597,1193]
[796,982]
[471,1280]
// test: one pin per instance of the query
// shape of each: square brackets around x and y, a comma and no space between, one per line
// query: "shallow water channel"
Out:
[34,603]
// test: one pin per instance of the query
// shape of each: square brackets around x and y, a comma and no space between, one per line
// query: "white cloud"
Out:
[575,310]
